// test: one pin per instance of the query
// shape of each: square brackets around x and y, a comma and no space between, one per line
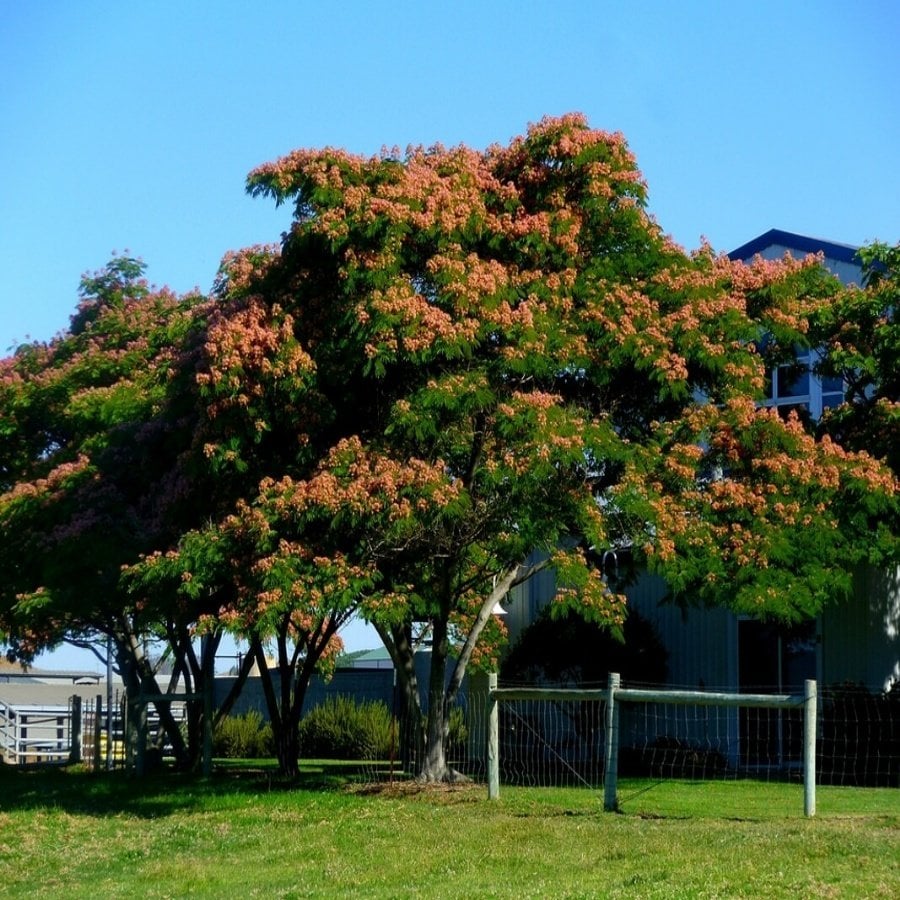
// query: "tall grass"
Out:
[243,833]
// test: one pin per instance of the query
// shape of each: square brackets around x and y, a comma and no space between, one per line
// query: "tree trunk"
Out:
[282,716]
[133,707]
[287,751]
[187,668]
[296,666]
[234,692]
[398,641]
[138,674]
[434,763]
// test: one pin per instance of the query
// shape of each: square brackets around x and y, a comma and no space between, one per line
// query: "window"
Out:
[795,386]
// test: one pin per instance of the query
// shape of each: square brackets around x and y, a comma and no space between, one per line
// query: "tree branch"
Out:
[501,589]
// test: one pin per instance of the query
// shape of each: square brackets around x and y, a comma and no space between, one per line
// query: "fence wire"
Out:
[553,743]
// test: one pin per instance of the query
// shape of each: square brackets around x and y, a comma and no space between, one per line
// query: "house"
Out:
[840,259]
[855,642]
[788,387]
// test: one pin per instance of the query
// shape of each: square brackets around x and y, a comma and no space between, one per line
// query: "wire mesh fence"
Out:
[562,742]
[103,733]
[555,742]
[859,739]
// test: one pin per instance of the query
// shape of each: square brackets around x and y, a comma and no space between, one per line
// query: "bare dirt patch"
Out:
[447,792]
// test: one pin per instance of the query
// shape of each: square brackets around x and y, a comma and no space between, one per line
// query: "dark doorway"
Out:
[773,659]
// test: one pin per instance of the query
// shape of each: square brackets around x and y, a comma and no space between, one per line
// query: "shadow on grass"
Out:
[75,790]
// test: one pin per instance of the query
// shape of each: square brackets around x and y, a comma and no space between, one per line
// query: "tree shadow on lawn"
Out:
[78,791]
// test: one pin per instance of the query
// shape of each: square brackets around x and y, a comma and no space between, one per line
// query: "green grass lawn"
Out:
[243,834]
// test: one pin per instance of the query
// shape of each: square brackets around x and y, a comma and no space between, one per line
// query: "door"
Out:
[773,659]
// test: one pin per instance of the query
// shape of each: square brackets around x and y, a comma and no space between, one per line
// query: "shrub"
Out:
[341,728]
[243,737]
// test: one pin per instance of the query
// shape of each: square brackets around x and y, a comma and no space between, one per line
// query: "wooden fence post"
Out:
[139,735]
[75,747]
[493,740]
[208,662]
[809,748]
[611,763]
[98,721]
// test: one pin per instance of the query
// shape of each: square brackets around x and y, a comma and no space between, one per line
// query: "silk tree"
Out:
[514,323]
[94,439]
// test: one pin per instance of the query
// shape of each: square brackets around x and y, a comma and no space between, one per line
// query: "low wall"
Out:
[364,685]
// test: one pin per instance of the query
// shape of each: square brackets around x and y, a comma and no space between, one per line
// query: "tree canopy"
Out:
[860,338]
[457,367]
[92,438]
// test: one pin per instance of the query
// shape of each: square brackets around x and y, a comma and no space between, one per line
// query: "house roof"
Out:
[846,253]
[368,659]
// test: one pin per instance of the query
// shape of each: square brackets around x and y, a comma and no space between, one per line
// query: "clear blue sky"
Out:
[133,125]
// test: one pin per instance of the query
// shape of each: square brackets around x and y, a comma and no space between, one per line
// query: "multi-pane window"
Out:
[795,386]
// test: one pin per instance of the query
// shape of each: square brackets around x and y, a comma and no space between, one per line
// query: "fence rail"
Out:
[83,731]
[32,733]
[615,695]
